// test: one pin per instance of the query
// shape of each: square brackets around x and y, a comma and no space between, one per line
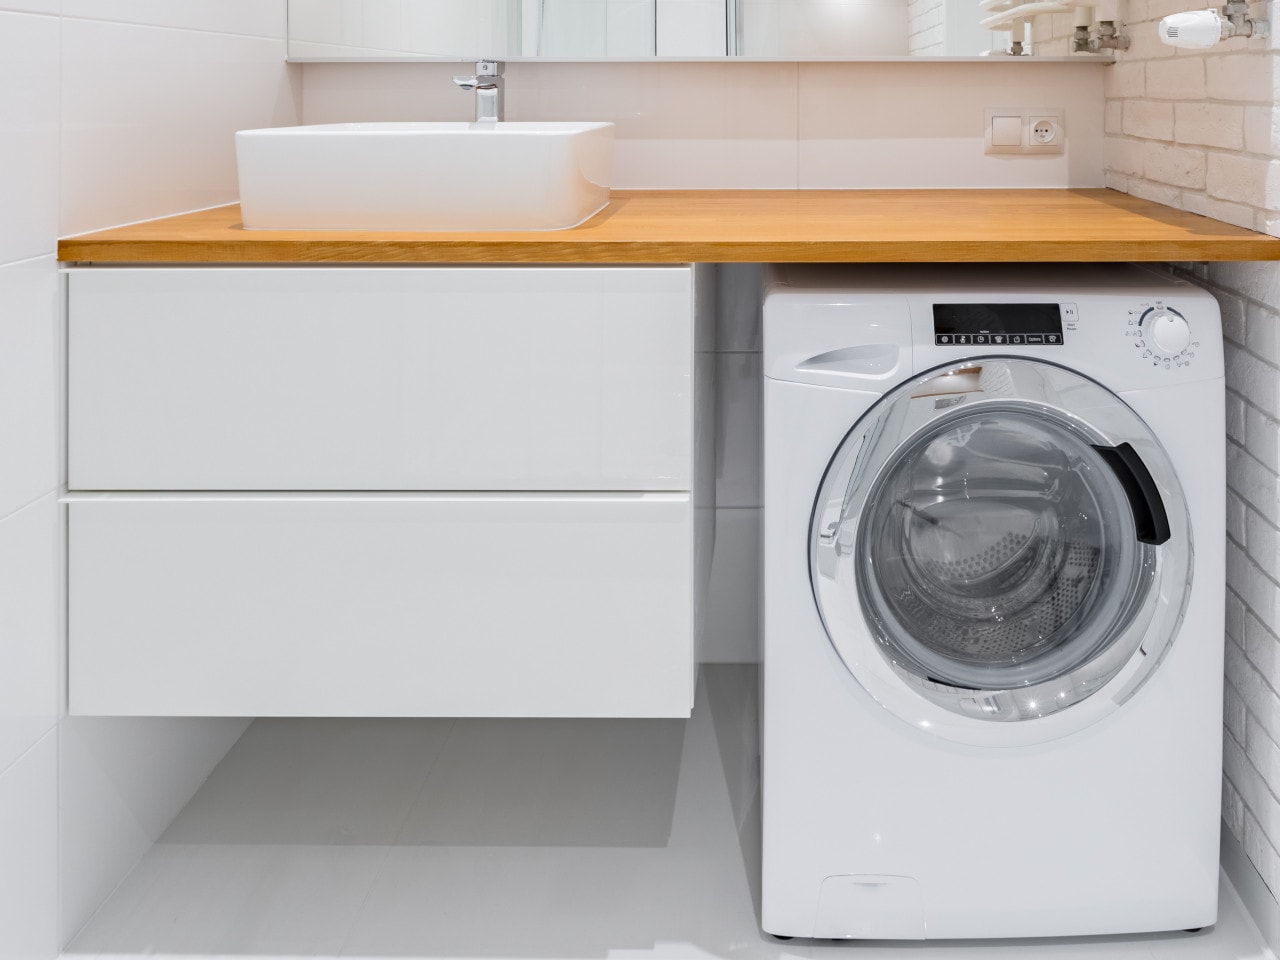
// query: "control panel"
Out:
[1162,335]
[1002,324]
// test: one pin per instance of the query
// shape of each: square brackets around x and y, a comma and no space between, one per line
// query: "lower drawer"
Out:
[381,605]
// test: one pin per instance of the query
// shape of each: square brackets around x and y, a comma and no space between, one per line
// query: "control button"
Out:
[980,338]
[998,338]
[1052,338]
[1017,338]
[1168,330]
[942,340]
[1035,338]
[962,339]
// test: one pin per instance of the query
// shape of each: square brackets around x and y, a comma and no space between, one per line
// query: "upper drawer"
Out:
[466,378]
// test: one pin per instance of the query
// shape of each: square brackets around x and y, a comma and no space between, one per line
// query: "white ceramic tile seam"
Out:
[38,744]
[233,17]
[170,28]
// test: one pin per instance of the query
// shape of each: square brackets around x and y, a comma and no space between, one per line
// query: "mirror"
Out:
[639,29]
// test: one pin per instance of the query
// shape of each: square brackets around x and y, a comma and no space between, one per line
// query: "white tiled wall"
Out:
[206,87]
[691,125]
[29,656]
[110,111]
[29,653]
[28,871]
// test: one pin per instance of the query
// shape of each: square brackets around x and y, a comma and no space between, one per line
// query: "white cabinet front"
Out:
[444,378]
[381,605]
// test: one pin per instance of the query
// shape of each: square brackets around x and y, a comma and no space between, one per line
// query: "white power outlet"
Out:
[1044,130]
[1017,130]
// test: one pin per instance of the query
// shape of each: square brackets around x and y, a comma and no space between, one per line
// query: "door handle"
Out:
[1149,516]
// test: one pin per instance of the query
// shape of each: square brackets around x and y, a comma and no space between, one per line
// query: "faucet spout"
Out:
[488,87]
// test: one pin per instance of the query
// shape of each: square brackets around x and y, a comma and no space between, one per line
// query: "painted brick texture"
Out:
[1200,130]
[1249,296]
[1195,129]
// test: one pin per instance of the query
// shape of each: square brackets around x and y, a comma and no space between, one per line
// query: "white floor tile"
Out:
[227,899]
[602,895]
[313,781]
[546,840]
[551,783]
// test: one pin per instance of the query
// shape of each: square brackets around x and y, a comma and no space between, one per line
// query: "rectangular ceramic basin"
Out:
[424,176]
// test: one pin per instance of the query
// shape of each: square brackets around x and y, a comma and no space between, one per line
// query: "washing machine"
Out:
[992,601]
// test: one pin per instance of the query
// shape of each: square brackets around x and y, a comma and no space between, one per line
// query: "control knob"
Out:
[1167,330]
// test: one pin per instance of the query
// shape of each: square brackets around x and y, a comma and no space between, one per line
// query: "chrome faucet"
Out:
[487,83]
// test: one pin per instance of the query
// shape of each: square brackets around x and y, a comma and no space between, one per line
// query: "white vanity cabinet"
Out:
[385,491]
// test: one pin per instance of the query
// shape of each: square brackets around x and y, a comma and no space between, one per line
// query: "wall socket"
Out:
[1020,130]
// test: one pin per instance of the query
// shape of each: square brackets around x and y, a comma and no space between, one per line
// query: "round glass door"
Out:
[985,534]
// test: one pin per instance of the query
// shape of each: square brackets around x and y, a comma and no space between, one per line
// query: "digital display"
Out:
[997,324]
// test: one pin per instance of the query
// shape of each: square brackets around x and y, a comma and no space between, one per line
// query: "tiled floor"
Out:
[547,840]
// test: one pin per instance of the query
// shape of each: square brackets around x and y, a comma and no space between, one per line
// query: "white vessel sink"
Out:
[424,176]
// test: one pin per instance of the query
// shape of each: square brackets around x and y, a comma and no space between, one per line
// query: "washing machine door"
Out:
[1000,551]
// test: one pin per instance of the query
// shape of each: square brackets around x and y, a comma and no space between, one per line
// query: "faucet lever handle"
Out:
[488,75]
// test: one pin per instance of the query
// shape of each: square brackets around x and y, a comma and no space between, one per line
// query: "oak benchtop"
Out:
[728,226]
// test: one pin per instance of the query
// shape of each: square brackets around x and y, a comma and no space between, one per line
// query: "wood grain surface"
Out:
[727,226]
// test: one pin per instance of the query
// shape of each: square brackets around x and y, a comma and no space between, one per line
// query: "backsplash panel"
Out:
[763,124]
[119,163]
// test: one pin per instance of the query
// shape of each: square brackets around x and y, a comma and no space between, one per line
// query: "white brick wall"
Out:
[1206,121]
[1199,130]
[1249,295]
[925,33]
[1252,722]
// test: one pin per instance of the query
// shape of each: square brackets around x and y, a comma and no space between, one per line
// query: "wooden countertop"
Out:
[728,226]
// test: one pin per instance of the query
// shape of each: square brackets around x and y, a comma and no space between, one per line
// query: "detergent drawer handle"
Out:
[1149,516]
